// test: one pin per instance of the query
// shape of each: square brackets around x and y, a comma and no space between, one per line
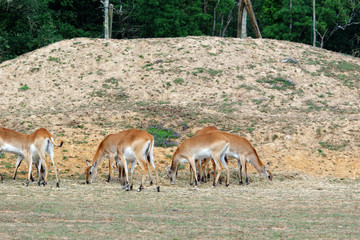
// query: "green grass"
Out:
[285,208]
[54,59]
[179,81]
[24,87]
[163,137]
[333,146]
[278,83]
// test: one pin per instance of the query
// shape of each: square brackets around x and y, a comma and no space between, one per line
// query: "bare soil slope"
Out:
[301,117]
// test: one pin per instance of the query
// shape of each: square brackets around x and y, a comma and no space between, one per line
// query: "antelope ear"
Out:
[87,162]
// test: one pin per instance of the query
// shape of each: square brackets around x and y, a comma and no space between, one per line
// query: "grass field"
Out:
[292,206]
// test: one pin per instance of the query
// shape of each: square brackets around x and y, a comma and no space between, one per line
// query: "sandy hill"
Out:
[297,104]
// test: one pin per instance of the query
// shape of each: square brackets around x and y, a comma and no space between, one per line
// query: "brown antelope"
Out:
[243,151]
[40,168]
[201,170]
[212,145]
[107,148]
[30,147]
[135,146]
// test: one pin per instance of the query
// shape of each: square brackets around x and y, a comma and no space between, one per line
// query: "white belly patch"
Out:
[204,153]
[11,149]
[129,155]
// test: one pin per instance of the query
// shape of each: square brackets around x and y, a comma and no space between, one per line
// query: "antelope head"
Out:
[267,173]
[171,174]
[90,172]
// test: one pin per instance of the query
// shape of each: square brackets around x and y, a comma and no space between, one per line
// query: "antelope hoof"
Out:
[131,187]
[227,184]
[140,188]
[151,183]
[158,188]
[27,183]
[241,183]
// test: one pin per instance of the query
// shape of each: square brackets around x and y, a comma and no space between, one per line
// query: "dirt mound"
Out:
[298,105]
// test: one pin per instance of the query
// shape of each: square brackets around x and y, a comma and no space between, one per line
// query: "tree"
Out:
[334,16]
[277,24]
[163,18]
[314,24]
[25,25]
[106,19]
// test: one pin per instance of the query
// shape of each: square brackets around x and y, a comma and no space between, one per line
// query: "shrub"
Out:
[163,136]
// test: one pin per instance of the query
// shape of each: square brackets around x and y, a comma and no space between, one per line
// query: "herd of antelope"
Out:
[136,147]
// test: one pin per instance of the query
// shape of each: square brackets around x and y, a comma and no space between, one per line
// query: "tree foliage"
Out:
[29,24]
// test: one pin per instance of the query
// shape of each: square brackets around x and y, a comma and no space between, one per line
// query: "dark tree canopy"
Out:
[26,25]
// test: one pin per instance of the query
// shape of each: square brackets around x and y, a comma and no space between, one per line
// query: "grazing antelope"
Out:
[243,151]
[212,145]
[30,147]
[200,169]
[40,168]
[135,146]
[107,148]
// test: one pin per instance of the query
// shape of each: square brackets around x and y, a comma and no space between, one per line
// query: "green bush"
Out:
[163,136]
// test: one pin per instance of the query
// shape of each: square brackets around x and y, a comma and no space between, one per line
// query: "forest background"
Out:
[26,25]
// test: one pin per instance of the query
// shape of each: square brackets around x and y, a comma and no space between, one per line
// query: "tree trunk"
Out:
[254,24]
[243,25]
[111,13]
[241,7]
[314,25]
[228,21]
[205,4]
[106,19]
[291,20]
[214,22]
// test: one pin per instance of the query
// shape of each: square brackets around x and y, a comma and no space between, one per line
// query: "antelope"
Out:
[31,147]
[243,151]
[199,161]
[107,148]
[135,146]
[212,145]
[36,160]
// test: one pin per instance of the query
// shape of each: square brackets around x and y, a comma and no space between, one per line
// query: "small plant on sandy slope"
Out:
[214,72]
[23,87]
[179,81]
[346,66]
[333,146]
[54,59]
[163,136]
[113,81]
[321,152]
[2,155]
[278,83]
